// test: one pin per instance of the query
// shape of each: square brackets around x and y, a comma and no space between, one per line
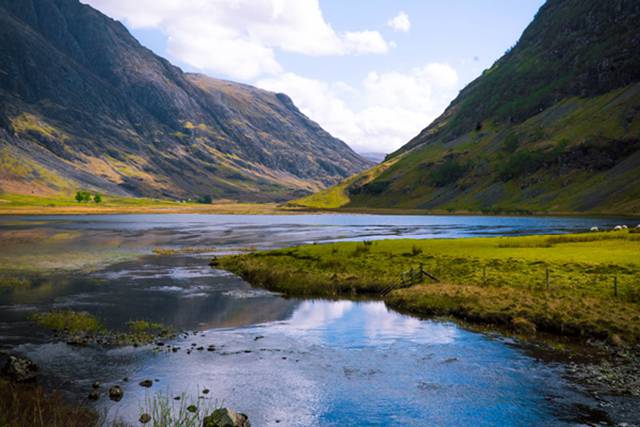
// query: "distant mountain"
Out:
[84,105]
[374,156]
[553,125]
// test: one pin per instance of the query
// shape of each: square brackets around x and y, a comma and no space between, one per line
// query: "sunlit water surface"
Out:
[282,361]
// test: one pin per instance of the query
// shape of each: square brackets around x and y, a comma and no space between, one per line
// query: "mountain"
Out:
[553,125]
[374,156]
[84,105]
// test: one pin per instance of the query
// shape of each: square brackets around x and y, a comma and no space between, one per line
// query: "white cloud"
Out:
[365,42]
[395,106]
[239,38]
[400,22]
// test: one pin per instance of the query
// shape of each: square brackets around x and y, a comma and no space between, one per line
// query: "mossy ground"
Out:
[500,280]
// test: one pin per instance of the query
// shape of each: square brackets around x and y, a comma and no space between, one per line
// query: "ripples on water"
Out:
[282,361]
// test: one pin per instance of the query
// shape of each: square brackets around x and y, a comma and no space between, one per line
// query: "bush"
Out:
[83,196]
[97,198]
[204,200]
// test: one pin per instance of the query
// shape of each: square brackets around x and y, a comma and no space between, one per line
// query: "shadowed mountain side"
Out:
[84,105]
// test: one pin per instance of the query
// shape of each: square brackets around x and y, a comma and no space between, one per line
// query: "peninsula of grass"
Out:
[579,285]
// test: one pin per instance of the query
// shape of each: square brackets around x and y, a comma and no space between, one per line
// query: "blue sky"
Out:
[373,84]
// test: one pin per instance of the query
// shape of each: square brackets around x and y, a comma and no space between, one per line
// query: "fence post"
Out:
[547,276]
[615,285]
[484,274]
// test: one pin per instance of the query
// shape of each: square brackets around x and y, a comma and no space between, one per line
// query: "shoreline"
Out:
[272,209]
[493,285]
[19,205]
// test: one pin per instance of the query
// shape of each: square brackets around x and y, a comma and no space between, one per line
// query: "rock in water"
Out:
[146,383]
[115,393]
[145,418]
[20,369]
[225,417]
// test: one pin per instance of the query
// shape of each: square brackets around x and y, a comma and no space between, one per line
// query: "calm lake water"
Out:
[281,361]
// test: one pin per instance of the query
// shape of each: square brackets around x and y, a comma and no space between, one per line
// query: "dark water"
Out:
[281,361]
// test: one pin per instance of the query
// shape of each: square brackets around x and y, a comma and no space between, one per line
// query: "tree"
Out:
[204,199]
[83,196]
[97,198]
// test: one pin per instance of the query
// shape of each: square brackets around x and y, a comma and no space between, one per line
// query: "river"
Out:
[282,361]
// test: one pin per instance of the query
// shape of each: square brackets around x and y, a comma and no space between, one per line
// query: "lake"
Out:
[281,361]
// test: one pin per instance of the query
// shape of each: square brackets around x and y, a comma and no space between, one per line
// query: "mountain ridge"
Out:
[552,126]
[85,105]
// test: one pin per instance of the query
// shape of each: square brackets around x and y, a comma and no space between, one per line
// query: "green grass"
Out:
[22,200]
[488,280]
[165,411]
[84,328]
[560,164]
[69,321]
[338,195]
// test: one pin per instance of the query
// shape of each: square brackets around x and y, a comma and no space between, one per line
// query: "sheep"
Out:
[597,229]
[618,227]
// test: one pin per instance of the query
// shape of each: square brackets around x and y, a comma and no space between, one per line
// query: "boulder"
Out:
[144,418]
[225,417]
[20,369]
[94,395]
[115,393]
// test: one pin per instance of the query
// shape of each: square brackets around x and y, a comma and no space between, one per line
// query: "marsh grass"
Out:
[26,405]
[488,280]
[69,321]
[84,328]
[166,411]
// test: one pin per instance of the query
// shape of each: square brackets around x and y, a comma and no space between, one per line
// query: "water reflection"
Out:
[355,363]
[282,361]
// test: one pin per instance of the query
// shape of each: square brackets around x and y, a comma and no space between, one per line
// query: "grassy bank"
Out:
[16,204]
[593,286]
[23,405]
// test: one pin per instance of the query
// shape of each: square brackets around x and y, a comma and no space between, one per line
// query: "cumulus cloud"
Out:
[395,105]
[239,38]
[400,22]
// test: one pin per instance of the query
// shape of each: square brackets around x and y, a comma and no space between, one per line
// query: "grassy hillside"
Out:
[553,126]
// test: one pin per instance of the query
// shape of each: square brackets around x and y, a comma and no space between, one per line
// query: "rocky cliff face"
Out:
[84,105]
[553,125]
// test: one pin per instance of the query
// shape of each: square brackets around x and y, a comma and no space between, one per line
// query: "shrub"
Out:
[97,198]
[83,196]
[204,200]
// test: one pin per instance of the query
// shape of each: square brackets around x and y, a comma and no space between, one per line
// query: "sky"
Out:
[373,73]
